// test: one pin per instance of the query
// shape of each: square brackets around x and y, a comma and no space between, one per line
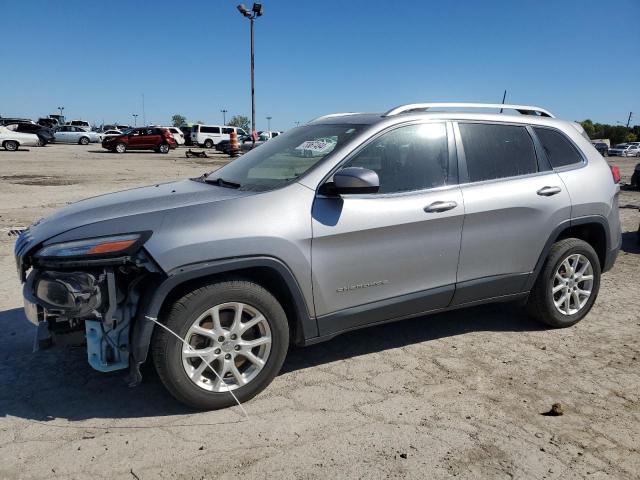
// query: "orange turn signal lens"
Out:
[112,247]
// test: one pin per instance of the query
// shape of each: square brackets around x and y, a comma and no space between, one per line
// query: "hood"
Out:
[130,203]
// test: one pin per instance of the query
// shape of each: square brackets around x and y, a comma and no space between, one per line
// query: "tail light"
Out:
[167,134]
[615,172]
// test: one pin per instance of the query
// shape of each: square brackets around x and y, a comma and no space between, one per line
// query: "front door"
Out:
[381,256]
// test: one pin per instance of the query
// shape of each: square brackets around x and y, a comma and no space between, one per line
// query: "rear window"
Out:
[497,151]
[210,129]
[227,130]
[560,151]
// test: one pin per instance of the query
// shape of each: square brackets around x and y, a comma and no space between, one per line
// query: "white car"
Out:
[80,123]
[110,133]
[177,134]
[71,134]
[11,140]
[625,150]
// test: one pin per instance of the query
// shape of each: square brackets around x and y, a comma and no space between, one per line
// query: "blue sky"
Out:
[97,58]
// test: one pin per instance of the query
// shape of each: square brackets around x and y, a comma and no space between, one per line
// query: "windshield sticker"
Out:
[320,146]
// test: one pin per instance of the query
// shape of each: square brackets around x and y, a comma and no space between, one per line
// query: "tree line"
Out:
[235,121]
[615,133]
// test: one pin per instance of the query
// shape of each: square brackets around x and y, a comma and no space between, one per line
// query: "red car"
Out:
[147,138]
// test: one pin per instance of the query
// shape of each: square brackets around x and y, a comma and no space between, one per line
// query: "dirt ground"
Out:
[457,394]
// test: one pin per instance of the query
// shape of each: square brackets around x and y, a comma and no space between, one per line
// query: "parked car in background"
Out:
[47,122]
[268,135]
[147,138]
[224,145]
[111,133]
[177,134]
[602,147]
[11,141]
[209,135]
[80,123]
[625,150]
[45,134]
[72,134]
[10,120]
[186,132]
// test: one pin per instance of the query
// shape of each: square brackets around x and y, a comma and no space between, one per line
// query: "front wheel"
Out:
[84,141]
[567,285]
[121,148]
[208,143]
[241,331]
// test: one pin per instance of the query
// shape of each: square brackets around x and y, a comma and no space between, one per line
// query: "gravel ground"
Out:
[457,394]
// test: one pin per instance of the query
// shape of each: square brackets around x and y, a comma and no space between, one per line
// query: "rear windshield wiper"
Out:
[223,183]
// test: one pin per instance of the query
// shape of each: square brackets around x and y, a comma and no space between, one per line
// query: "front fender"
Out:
[153,302]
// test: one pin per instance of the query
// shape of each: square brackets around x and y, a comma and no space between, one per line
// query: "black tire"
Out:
[83,141]
[43,141]
[540,304]
[10,145]
[163,148]
[208,143]
[167,349]
[120,148]
[635,180]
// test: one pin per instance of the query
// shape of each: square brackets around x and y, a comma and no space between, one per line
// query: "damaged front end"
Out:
[88,290]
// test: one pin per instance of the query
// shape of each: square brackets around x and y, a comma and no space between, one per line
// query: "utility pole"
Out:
[629,119]
[224,116]
[144,117]
[135,119]
[504,96]
[269,123]
[256,11]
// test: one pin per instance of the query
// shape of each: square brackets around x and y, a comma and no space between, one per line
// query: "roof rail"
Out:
[523,109]
[331,115]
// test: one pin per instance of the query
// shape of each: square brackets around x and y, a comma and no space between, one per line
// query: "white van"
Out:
[80,123]
[209,135]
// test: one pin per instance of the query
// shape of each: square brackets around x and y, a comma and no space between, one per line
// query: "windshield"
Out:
[286,157]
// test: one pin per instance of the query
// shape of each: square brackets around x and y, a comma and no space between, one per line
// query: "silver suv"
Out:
[349,221]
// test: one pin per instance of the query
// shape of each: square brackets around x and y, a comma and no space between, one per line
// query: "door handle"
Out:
[437,207]
[548,191]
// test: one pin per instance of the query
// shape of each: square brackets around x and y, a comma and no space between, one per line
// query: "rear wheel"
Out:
[163,148]
[83,141]
[10,145]
[567,285]
[208,143]
[241,331]
[121,148]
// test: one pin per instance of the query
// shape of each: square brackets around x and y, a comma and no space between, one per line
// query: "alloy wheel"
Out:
[572,284]
[234,339]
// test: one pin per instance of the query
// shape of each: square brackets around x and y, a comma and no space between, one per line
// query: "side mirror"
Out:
[352,180]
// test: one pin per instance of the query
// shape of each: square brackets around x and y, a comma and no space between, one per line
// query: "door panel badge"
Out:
[360,286]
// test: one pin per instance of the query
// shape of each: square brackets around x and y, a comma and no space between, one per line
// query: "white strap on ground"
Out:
[154,320]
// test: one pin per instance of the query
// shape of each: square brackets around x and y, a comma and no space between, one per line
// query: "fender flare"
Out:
[573,222]
[143,328]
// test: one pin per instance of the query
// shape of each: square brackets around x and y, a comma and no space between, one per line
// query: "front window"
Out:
[283,159]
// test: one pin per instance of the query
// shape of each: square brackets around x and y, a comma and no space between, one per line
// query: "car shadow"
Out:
[59,384]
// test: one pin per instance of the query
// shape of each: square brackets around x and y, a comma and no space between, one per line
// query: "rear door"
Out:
[513,202]
[381,256]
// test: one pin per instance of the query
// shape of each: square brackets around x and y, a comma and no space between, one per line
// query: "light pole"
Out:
[135,119]
[269,123]
[61,109]
[256,11]
[224,116]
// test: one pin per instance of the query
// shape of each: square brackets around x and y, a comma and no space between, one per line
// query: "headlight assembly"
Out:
[101,246]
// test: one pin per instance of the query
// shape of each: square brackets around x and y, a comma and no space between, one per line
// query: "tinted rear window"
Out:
[558,148]
[497,151]
[210,129]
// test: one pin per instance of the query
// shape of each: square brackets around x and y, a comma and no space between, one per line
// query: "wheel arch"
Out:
[269,272]
[592,229]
